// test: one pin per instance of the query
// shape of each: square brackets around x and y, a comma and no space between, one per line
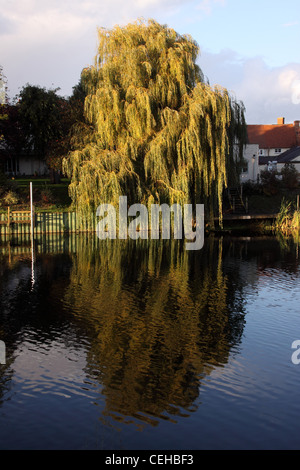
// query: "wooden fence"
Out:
[14,217]
[19,223]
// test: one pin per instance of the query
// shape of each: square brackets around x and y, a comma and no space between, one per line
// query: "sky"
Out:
[250,47]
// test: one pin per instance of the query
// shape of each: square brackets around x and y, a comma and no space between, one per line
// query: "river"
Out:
[144,345]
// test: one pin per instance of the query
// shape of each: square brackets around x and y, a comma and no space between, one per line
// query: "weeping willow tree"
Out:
[154,130]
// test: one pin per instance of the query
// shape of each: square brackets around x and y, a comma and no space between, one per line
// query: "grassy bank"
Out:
[288,219]
[46,195]
[49,197]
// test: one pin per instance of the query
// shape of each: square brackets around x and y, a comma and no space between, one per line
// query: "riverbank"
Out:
[47,195]
[51,196]
[17,222]
[244,224]
[258,215]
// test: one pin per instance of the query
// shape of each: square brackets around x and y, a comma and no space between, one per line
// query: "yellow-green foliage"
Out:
[288,220]
[178,332]
[156,131]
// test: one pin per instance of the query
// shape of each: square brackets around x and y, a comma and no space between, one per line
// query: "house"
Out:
[291,156]
[25,166]
[250,169]
[270,147]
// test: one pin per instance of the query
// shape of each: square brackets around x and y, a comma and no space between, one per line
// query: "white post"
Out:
[32,235]
[31,211]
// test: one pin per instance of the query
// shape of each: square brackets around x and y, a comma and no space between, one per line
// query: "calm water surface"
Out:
[143,345]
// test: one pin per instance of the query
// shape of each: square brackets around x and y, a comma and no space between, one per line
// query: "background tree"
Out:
[289,175]
[11,141]
[39,113]
[154,130]
[269,181]
[38,124]
[70,115]
[14,138]
[46,119]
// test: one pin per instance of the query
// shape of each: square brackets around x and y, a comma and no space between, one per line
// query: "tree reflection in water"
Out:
[158,319]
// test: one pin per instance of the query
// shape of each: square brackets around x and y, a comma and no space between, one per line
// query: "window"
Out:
[277,150]
[245,167]
[261,152]
[12,165]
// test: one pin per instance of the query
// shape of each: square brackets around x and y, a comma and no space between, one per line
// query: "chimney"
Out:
[280,121]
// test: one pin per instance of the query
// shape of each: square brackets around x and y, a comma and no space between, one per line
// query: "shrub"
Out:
[46,196]
[289,176]
[288,220]
[250,188]
[270,183]
[9,198]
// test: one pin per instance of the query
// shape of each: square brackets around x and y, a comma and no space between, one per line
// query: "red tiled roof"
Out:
[272,136]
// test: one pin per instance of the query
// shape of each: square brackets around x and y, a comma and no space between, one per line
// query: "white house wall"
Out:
[272,152]
[30,166]
[251,157]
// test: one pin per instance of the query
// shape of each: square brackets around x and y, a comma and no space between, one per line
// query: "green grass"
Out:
[60,198]
[40,182]
[288,219]
[258,203]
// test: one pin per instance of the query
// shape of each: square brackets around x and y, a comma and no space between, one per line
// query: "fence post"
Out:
[31,212]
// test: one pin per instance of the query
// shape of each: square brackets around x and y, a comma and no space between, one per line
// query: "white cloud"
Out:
[296,92]
[267,92]
[289,25]
[207,5]
[287,77]
[49,42]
